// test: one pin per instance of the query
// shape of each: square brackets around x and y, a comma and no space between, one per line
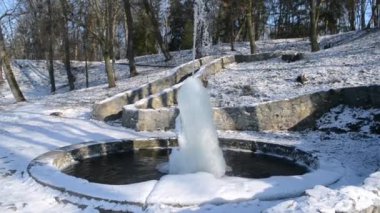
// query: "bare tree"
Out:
[85,48]
[156,30]
[351,7]
[362,13]
[314,16]
[37,44]
[66,42]
[108,44]
[99,24]
[130,51]
[251,27]
[375,8]
[51,51]
[4,57]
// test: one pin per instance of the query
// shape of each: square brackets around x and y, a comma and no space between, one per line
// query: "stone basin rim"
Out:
[58,159]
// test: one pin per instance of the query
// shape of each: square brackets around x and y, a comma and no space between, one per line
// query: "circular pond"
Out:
[141,165]
[125,172]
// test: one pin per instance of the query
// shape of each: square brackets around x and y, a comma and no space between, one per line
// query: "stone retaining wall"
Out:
[168,97]
[112,107]
[138,115]
[293,114]
[162,92]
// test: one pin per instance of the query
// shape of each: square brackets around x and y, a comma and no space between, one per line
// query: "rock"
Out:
[356,127]
[57,114]
[246,90]
[376,118]
[375,129]
[327,46]
[302,79]
[204,82]
[292,57]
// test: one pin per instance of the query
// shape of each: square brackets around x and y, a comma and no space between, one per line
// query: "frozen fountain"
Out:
[197,138]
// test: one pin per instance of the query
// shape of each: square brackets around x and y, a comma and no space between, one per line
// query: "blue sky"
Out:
[6,4]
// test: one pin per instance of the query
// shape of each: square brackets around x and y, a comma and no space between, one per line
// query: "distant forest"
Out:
[93,30]
[35,22]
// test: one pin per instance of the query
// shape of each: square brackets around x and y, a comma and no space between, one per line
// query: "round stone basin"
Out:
[142,165]
[124,172]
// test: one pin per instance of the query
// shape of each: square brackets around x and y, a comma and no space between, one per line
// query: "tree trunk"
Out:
[15,89]
[314,26]
[351,14]
[156,29]
[86,68]
[198,41]
[66,43]
[111,32]
[374,15]
[1,72]
[108,46]
[251,28]
[130,51]
[229,24]
[377,16]
[51,52]
[91,45]
[85,49]
[110,73]
[362,13]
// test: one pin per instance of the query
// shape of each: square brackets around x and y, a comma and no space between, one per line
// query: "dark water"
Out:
[138,166]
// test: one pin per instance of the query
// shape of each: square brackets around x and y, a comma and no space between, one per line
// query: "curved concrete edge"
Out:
[298,113]
[111,107]
[45,169]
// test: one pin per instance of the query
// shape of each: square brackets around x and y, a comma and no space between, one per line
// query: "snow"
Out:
[36,87]
[320,198]
[199,188]
[351,64]
[27,131]
[24,136]
[344,118]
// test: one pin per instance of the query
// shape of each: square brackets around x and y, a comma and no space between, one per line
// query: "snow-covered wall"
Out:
[293,114]
[111,108]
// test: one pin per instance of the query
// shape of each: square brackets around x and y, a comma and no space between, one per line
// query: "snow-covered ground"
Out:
[350,64]
[27,130]
[33,79]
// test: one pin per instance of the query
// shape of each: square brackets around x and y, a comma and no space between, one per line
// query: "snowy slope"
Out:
[350,64]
